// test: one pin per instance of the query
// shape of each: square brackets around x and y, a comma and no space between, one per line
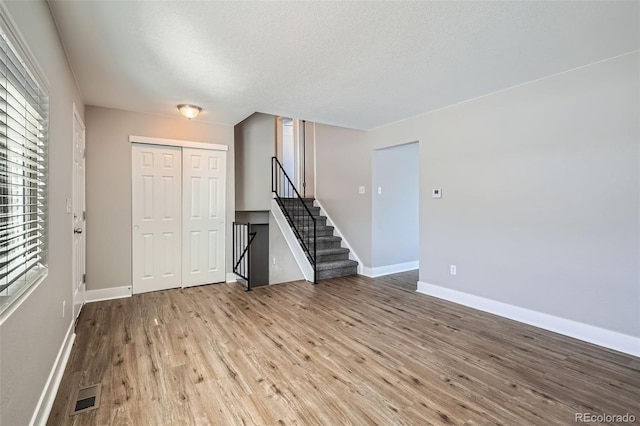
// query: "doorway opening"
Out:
[289,148]
[395,216]
[294,150]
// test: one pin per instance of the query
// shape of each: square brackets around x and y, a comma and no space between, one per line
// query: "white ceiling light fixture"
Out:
[189,111]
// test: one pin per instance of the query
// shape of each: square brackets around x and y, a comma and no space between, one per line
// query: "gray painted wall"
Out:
[282,265]
[31,336]
[109,184]
[261,217]
[541,194]
[255,141]
[343,164]
[394,237]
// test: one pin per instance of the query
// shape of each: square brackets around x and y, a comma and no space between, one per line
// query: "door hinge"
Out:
[84,278]
[84,215]
[84,153]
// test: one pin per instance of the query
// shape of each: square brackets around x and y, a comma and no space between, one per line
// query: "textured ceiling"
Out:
[352,64]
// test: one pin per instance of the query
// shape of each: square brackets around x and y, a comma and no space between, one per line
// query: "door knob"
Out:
[77,231]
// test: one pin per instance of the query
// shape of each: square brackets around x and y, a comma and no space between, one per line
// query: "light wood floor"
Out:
[351,350]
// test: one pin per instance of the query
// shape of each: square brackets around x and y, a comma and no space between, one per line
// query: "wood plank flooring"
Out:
[351,350]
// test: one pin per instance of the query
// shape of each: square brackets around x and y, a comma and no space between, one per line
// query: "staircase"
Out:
[323,249]
[332,260]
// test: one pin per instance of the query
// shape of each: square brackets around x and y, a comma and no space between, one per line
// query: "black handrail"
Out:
[242,240]
[296,211]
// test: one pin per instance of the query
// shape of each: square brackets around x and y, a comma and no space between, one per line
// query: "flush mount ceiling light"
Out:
[189,111]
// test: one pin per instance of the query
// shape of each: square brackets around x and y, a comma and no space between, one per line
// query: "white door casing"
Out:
[203,236]
[156,217]
[78,208]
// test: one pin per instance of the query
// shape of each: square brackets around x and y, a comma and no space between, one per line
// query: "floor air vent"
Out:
[87,399]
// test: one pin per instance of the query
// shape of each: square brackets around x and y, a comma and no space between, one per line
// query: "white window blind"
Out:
[23,175]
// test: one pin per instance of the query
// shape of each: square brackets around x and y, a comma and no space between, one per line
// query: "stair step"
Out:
[289,201]
[302,222]
[301,211]
[333,254]
[295,201]
[323,266]
[321,230]
[332,260]
[341,268]
[327,242]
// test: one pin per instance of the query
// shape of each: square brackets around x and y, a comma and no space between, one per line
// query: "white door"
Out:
[156,217]
[78,206]
[203,243]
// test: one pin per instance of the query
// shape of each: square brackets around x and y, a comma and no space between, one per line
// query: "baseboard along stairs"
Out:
[332,259]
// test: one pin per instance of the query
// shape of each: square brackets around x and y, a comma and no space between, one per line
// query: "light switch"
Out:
[69,205]
[361,190]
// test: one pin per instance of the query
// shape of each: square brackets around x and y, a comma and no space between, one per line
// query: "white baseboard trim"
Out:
[336,231]
[45,403]
[390,269]
[231,277]
[588,333]
[107,293]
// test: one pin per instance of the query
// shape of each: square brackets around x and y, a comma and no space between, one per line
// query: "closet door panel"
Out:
[156,217]
[204,174]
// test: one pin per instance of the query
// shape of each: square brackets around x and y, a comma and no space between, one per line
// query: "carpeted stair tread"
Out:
[295,200]
[300,211]
[327,239]
[323,266]
[338,250]
[332,259]
[318,227]
[331,254]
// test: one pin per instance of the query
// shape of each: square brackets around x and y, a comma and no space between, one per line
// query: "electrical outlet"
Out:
[452,269]
[64,306]
[379,190]
[274,260]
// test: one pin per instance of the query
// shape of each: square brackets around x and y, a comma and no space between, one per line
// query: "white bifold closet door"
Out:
[203,236]
[157,217]
[178,213]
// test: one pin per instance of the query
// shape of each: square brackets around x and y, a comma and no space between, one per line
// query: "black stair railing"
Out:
[302,221]
[242,240]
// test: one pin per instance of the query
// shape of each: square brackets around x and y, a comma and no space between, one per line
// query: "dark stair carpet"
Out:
[332,259]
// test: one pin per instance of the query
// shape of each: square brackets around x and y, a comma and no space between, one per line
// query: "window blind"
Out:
[23,173]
